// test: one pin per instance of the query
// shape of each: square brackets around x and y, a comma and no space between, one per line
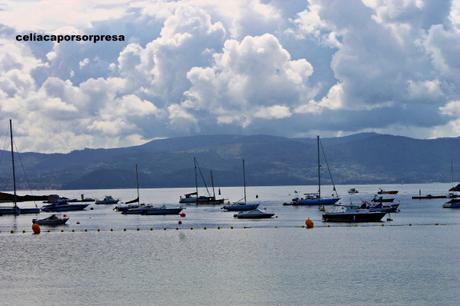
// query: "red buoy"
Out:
[182,214]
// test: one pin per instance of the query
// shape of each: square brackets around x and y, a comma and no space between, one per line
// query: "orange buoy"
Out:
[182,214]
[309,223]
[36,229]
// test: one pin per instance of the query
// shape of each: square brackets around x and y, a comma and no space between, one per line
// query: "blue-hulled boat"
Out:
[242,206]
[314,199]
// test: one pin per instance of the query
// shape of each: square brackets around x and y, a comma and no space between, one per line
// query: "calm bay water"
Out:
[275,262]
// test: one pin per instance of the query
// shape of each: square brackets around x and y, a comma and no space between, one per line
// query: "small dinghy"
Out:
[53,220]
[253,214]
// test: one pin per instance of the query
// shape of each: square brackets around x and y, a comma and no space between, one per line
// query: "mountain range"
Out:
[270,160]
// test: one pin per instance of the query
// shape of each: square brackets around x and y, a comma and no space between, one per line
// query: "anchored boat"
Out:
[108,200]
[149,209]
[53,220]
[453,203]
[381,191]
[242,206]
[254,214]
[194,197]
[316,198]
[63,205]
[15,209]
[351,215]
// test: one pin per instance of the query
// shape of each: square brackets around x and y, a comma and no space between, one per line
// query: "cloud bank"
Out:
[293,68]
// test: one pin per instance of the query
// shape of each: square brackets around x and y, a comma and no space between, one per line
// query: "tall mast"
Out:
[196,178]
[319,167]
[12,163]
[212,183]
[137,185]
[244,182]
[452,172]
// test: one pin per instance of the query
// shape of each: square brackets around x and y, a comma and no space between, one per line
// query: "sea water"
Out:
[412,260]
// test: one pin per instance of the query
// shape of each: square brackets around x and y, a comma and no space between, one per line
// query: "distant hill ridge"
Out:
[270,160]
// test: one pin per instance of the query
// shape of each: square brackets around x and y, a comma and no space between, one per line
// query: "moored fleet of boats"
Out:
[334,210]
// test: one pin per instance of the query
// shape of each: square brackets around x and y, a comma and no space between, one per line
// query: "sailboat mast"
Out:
[212,183]
[452,172]
[196,178]
[319,167]
[137,185]
[12,163]
[244,182]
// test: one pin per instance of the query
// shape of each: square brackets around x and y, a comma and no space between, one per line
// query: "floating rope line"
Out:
[218,228]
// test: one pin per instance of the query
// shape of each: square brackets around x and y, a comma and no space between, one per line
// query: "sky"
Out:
[281,67]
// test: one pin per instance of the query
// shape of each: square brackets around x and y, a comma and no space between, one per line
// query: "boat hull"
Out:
[187,200]
[261,216]
[9,211]
[240,207]
[33,210]
[428,197]
[313,202]
[352,217]
[383,200]
[106,203]
[61,208]
[18,211]
[149,210]
[387,192]
[455,203]
[162,211]
[50,222]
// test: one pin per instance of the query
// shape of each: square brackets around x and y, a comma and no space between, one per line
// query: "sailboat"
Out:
[149,209]
[194,197]
[15,209]
[123,208]
[241,206]
[315,198]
